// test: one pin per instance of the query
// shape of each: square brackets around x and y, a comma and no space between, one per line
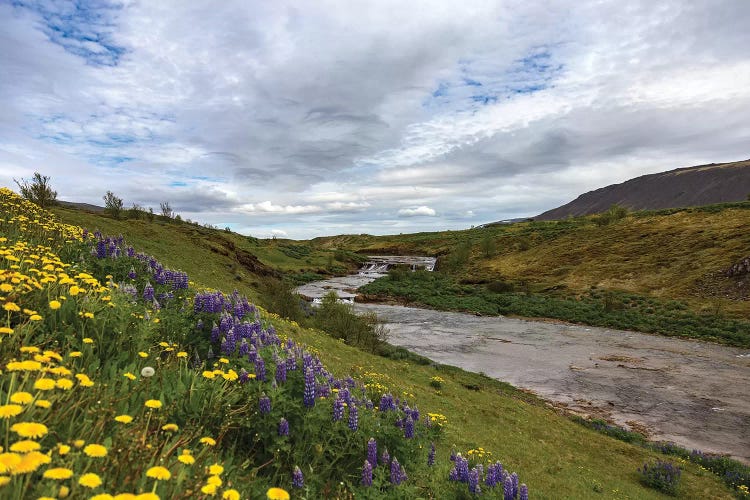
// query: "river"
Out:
[695,394]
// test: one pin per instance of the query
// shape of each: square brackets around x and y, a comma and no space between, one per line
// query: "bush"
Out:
[615,213]
[38,190]
[662,476]
[341,322]
[112,204]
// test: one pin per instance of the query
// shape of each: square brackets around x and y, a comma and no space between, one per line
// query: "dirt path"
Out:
[692,393]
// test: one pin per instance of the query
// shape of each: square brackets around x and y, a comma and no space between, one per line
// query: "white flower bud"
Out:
[147,372]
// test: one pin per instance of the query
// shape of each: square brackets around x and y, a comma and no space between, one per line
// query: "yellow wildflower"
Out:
[78,443]
[143,354]
[58,473]
[64,384]
[208,441]
[153,403]
[182,354]
[25,446]
[54,304]
[209,374]
[7,411]
[21,397]
[74,290]
[44,384]
[95,450]
[277,494]
[88,340]
[35,317]
[31,462]
[186,459]
[147,496]
[104,496]
[215,470]
[43,403]
[124,419]
[90,480]
[6,330]
[9,461]
[75,354]
[170,427]
[31,430]
[84,380]
[209,489]
[159,473]
[64,449]
[214,481]
[11,307]
[130,376]
[231,495]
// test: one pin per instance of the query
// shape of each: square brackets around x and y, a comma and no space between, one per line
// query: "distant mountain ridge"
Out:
[682,187]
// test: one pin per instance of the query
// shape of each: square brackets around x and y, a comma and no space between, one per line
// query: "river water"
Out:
[693,393]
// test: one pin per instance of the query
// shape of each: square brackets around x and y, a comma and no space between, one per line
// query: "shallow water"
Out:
[692,393]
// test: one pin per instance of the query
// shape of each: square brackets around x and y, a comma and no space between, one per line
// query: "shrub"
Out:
[662,476]
[112,204]
[500,286]
[38,190]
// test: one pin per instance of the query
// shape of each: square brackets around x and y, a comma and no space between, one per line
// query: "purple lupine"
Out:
[492,476]
[367,474]
[298,480]
[385,457]
[260,369]
[309,395]
[264,404]
[415,414]
[283,427]
[508,488]
[353,416]
[408,428]
[148,293]
[280,371]
[514,481]
[338,409]
[244,377]
[523,492]
[101,249]
[132,274]
[474,481]
[395,472]
[372,452]
[244,348]
[431,455]
[462,468]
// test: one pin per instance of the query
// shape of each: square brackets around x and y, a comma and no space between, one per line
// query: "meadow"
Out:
[124,378]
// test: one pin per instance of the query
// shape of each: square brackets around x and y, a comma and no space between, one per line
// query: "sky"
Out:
[303,119]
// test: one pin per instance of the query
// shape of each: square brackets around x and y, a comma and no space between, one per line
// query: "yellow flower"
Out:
[64,491]
[75,354]
[208,441]
[22,398]
[182,354]
[186,459]
[30,349]
[54,305]
[84,380]
[78,443]
[74,290]
[43,403]
[209,374]
[231,495]
[31,462]
[214,481]
[4,480]
[223,360]
[58,473]
[88,315]
[44,384]
[5,287]
[31,430]
[277,494]
[143,354]
[124,419]
[53,354]
[130,376]
[9,461]
[102,496]
[64,384]
[7,411]
[88,340]
[153,403]
[164,344]
[215,469]
[25,446]
[124,496]
[170,427]
[159,473]
[11,307]
[209,489]
[35,317]
[147,496]
[95,450]
[90,480]
[64,449]
[5,329]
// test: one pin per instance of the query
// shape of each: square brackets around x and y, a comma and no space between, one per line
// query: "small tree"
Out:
[488,244]
[166,210]
[37,190]
[112,204]
[150,214]
[135,212]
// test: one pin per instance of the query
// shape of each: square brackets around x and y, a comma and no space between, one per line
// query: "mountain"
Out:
[682,187]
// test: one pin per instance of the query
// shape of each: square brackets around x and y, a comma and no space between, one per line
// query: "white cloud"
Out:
[416,211]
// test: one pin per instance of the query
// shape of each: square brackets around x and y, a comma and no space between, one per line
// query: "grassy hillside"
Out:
[671,254]
[63,323]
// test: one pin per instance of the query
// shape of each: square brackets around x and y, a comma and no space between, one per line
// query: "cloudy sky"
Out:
[324,117]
